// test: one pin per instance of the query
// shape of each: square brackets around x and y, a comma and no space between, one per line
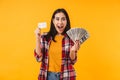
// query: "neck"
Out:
[59,34]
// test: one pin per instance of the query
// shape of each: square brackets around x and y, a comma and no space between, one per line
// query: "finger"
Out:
[37,32]
[77,44]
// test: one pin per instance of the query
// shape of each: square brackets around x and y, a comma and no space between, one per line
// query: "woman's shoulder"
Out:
[66,36]
[68,39]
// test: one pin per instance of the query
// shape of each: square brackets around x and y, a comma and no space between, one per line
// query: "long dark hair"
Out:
[52,32]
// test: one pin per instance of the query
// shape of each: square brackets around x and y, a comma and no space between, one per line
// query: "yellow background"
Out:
[99,56]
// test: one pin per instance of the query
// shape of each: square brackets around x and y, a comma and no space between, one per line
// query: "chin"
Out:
[60,32]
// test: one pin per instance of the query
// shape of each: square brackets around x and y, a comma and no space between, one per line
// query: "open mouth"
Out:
[60,27]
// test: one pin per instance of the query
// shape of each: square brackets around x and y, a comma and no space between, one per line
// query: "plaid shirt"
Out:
[67,70]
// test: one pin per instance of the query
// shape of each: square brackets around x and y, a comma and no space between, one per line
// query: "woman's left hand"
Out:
[76,46]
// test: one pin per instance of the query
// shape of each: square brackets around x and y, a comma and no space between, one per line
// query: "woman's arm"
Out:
[38,45]
[74,49]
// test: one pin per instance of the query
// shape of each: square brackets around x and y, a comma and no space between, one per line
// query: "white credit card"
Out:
[42,25]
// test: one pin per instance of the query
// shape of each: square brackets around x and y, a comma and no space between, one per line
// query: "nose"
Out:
[60,22]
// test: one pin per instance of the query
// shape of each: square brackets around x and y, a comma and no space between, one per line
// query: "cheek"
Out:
[55,23]
[55,27]
[65,23]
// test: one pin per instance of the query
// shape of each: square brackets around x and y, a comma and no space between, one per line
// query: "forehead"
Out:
[60,14]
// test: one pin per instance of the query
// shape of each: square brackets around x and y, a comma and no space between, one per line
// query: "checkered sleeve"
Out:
[75,60]
[38,58]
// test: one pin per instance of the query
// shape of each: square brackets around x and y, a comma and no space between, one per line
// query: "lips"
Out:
[60,28]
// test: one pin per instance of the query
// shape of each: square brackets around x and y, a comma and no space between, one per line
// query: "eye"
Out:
[57,18]
[63,18]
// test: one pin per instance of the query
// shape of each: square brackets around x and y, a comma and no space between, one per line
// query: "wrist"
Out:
[73,50]
[38,39]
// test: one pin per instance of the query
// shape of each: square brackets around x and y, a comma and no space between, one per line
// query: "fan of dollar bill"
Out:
[78,34]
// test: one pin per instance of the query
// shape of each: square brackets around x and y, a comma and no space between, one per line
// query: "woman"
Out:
[55,50]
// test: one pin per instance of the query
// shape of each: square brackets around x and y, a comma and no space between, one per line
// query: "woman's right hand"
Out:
[38,33]
[38,37]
